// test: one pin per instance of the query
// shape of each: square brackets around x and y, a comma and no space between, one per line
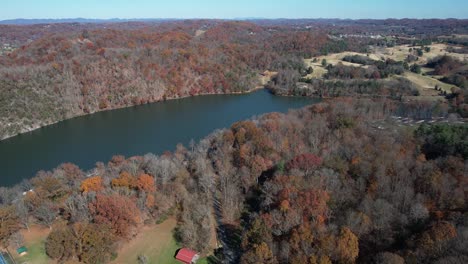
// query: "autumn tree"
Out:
[92,184]
[256,234]
[260,254]
[347,246]
[49,187]
[126,180]
[389,258]
[118,212]
[71,172]
[61,244]
[8,224]
[97,244]
[306,162]
[145,183]
[433,241]
[89,243]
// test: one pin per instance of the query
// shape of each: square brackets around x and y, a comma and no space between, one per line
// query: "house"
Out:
[187,256]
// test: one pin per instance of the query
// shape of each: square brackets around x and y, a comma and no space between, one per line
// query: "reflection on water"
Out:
[131,131]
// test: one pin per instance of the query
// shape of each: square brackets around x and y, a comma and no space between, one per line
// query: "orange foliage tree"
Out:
[125,179]
[92,184]
[347,246]
[145,183]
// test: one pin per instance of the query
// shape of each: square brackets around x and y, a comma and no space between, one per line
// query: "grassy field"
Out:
[34,240]
[155,242]
[203,261]
[199,32]
[400,53]
[336,58]
[319,71]
[426,84]
[36,254]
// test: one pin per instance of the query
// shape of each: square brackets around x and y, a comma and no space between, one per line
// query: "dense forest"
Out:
[68,74]
[324,184]
[342,181]
[52,72]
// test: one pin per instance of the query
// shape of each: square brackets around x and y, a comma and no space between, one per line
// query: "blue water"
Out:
[131,131]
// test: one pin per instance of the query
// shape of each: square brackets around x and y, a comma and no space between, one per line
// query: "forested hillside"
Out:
[52,72]
[355,178]
[63,75]
[335,182]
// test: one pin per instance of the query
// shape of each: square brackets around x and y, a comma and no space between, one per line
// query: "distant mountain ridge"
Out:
[23,21]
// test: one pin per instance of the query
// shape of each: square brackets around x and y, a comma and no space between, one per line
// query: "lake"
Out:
[131,131]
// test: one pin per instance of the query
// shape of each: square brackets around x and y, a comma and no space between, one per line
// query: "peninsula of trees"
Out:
[339,181]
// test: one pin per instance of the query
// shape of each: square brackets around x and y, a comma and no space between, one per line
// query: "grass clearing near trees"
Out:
[156,242]
[36,254]
[401,52]
[426,84]
[34,240]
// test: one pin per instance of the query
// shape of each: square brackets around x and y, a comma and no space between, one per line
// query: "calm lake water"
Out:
[131,131]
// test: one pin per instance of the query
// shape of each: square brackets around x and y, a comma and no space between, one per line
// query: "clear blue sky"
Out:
[10,9]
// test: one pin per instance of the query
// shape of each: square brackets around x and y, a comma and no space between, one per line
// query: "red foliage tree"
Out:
[305,162]
[116,211]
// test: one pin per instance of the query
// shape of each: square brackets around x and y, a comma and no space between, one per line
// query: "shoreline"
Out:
[257,88]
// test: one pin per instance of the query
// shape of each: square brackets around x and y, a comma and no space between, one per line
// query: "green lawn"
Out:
[166,255]
[203,261]
[36,254]
[155,242]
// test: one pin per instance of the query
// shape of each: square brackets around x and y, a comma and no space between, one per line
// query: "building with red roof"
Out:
[187,256]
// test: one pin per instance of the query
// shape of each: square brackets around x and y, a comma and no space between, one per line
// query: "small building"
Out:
[187,256]
[22,251]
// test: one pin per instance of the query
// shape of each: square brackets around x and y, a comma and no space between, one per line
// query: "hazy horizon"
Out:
[234,18]
[242,9]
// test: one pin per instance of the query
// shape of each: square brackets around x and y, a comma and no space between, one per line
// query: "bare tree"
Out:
[46,214]
[16,240]
[23,213]
[77,206]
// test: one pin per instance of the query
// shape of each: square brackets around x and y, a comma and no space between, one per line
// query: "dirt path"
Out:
[35,233]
